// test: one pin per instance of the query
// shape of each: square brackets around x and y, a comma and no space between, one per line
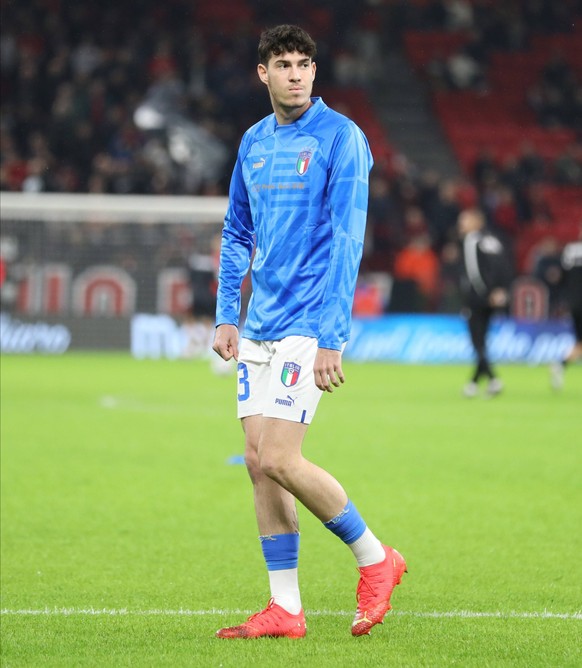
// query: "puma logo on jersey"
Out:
[259,164]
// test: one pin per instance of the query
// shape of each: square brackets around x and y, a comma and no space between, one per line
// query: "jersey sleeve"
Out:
[349,168]
[236,249]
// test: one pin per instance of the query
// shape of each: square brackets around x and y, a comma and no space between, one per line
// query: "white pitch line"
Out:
[181,612]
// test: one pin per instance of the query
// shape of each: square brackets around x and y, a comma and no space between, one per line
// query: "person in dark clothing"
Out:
[486,277]
[203,271]
[199,319]
[571,261]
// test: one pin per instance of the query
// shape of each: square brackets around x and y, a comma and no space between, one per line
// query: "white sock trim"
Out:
[285,589]
[367,549]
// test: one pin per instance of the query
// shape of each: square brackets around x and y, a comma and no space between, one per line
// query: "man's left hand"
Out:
[327,370]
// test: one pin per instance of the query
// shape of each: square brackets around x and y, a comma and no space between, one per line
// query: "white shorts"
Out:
[275,379]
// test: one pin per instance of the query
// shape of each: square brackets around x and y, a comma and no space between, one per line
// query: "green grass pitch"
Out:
[128,538]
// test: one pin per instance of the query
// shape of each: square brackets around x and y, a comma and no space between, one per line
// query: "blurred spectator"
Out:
[348,70]
[557,71]
[417,261]
[449,278]
[568,166]
[556,97]
[434,15]
[539,206]
[476,47]
[485,167]
[512,177]
[384,223]
[458,15]
[530,165]
[35,181]
[546,267]
[485,283]
[443,213]
[548,16]
[437,72]
[504,215]
[465,71]
[571,263]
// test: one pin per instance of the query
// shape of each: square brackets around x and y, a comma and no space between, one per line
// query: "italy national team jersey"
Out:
[298,197]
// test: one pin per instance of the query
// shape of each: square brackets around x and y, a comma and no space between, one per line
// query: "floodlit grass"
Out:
[130,536]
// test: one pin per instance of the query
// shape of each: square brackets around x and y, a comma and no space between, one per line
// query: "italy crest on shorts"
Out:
[290,374]
[303,161]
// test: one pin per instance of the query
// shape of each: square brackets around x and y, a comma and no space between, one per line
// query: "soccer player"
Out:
[298,198]
[571,261]
[485,283]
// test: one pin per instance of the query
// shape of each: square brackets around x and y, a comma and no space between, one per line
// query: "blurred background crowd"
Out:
[152,98]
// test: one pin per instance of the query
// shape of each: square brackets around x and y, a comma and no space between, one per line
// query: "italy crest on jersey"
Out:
[303,161]
[290,374]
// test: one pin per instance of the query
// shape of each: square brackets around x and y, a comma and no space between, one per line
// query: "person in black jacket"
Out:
[485,282]
[571,261]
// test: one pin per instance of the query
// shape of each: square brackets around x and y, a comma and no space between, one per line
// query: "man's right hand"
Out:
[226,341]
[498,298]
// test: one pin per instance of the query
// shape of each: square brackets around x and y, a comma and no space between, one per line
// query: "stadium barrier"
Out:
[104,272]
[437,339]
[417,339]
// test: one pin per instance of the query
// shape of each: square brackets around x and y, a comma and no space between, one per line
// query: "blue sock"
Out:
[348,525]
[281,551]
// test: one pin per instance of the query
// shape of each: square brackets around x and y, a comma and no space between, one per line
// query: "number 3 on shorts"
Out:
[243,381]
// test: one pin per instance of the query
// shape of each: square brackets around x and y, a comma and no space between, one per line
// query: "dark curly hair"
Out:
[285,39]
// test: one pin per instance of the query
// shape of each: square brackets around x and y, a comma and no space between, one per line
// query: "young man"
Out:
[485,286]
[571,262]
[298,197]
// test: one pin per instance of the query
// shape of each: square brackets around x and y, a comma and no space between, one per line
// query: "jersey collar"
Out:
[316,108]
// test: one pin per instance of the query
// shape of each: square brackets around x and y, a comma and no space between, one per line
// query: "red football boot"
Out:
[272,622]
[374,590]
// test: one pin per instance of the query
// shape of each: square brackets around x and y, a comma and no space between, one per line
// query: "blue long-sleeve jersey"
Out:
[298,198]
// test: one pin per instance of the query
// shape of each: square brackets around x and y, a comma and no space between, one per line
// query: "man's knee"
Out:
[278,449]
[251,426]
[252,463]
[261,461]
[272,464]
[275,454]
[263,458]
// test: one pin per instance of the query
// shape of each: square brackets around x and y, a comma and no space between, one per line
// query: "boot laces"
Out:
[266,616]
[367,588]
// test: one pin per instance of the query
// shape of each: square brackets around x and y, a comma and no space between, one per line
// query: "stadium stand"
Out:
[518,123]
[110,100]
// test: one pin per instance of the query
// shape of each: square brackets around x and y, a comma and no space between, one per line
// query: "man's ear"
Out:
[263,74]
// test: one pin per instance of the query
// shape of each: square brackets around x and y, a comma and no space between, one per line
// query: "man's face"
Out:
[289,78]
[468,222]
